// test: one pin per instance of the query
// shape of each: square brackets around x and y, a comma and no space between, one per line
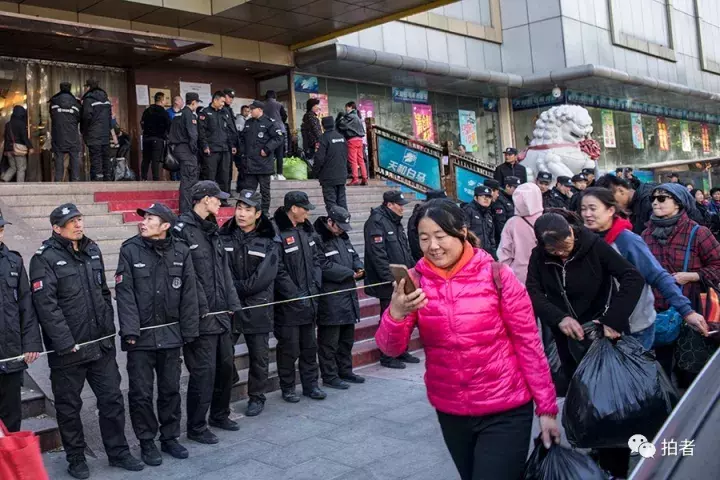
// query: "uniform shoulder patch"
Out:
[40,250]
[179,226]
[37,285]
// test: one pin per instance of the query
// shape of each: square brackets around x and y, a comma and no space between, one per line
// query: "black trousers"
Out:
[297,342]
[103,377]
[189,175]
[491,447]
[216,167]
[251,182]
[100,163]
[73,164]
[279,156]
[153,148]
[209,359]
[10,400]
[384,305]
[259,354]
[334,195]
[142,366]
[335,343]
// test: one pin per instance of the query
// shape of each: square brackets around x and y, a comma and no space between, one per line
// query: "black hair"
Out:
[270,94]
[690,184]
[92,83]
[449,217]
[244,106]
[159,96]
[675,175]
[694,191]
[311,103]
[714,190]
[66,87]
[604,196]
[610,181]
[218,94]
[351,105]
[553,228]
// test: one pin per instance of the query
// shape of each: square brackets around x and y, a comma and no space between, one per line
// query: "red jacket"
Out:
[479,361]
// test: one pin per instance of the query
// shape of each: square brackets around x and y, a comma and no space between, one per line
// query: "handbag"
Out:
[170,162]
[19,150]
[668,322]
[20,456]
[710,305]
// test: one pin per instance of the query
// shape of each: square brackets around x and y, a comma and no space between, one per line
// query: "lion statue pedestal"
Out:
[561,143]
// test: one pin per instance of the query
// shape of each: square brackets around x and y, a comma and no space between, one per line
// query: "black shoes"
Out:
[78,468]
[254,408]
[290,396]
[149,453]
[127,462]
[316,394]
[225,424]
[407,358]
[174,448]
[390,362]
[352,378]
[206,437]
[336,383]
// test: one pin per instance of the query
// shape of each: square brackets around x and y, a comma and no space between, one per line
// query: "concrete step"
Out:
[23,199]
[33,402]
[111,233]
[46,429]
[83,187]
[43,211]
[90,220]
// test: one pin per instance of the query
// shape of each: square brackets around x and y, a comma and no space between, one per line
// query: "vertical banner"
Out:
[366,109]
[468,130]
[705,135]
[422,122]
[663,135]
[685,136]
[637,131]
[608,126]
[324,107]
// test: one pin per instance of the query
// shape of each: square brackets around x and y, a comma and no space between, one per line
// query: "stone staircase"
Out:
[110,219]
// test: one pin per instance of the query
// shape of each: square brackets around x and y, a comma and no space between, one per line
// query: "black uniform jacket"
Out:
[481,223]
[260,134]
[554,199]
[331,159]
[413,235]
[19,330]
[155,285]
[254,259]
[216,292]
[96,117]
[502,209]
[338,274]
[215,130]
[72,300]
[184,129]
[65,119]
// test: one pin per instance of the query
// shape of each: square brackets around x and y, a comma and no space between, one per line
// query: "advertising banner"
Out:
[468,130]
[305,83]
[638,136]
[409,95]
[685,136]
[608,126]
[422,123]
[705,136]
[466,181]
[663,135]
[409,163]
[366,109]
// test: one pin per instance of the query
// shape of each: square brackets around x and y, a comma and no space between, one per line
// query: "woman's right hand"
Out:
[402,305]
[697,323]
[572,328]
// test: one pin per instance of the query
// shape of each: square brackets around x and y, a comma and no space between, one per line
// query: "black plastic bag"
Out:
[618,390]
[560,379]
[560,463]
[170,161]
[121,171]
[578,348]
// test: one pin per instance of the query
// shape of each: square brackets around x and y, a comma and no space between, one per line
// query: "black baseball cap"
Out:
[483,190]
[3,222]
[510,151]
[492,183]
[192,97]
[63,214]
[512,181]
[257,104]
[207,188]
[159,210]
[544,177]
[435,194]
[298,199]
[579,178]
[341,217]
[394,196]
[588,171]
[250,198]
[229,92]
[564,181]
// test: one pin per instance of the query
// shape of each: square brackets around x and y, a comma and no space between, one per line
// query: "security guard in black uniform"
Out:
[183,142]
[249,238]
[299,275]
[259,140]
[503,206]
[19,332]
[496,208]
[155,287]
[544,181]
[218,141]
[480,218]
[559,196]
[229,97]
[338,313]
[580,183]
[73,304]
[210,358]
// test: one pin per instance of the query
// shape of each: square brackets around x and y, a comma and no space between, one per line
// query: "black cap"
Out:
[229,92]
[619,170]
[192,97]
[510,151]
[64,213]
[512,181]
[394,196]
[207,188]
[341,217]
[160,210]
[257,104]
[674,175]
[483,190]
[492,183]
[588,171]
[327,123]
[435,194]
[298,199]
[544,177]
[3,222]
[250,198]
[564,181]
[579,178]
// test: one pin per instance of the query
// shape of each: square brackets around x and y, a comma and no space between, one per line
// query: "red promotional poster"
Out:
[422,122]
[663,134]
[705,136]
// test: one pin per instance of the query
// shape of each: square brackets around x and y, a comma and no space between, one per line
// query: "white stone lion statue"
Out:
[561,143]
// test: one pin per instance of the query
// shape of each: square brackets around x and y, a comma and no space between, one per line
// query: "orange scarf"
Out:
[468,252]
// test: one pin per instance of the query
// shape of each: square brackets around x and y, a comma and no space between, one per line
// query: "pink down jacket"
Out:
[481,357]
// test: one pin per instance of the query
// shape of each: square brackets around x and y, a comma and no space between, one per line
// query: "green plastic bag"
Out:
[295,168]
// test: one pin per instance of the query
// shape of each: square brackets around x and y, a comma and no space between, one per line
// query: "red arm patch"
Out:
[37,285]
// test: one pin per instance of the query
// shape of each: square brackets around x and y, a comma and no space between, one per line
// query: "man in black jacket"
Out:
[210,358]
[65,119]
[183,140]
[412,231]
[155,124]
[386,243]
[559,196]
[19,332]
[338,313]
[230,114]
[503,207]
[218,142]
[511,168]
[330,165]
[580,183]
[480,219]
[74,306]
[259,141]
[299,275]
[637,203]
[353,128]
[96,124]
[276,112]
[155,288]
[249,237]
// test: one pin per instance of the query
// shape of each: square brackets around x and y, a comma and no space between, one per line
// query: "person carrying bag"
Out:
[20,456]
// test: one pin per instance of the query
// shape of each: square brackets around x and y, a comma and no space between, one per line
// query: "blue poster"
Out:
[409,95]
[409,163]
[306,84]
[466,181]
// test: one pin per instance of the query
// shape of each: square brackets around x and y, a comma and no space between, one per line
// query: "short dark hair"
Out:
[351,105]
[311,103]
[553,228]
[270,94]
[612,181]
[65,87]
[92,83]
[159,96]
[714,190]
[449,217]
[218,94]
[244,106]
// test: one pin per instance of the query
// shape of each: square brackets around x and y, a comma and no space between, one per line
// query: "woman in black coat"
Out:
[16,133]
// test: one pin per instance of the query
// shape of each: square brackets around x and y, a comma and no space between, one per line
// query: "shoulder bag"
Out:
[18,150]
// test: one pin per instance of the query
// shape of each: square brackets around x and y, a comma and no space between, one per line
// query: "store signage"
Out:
[685,136]
[638,136]
[423,123]
[409,95]
[305,83]
[466,181]
[540,100]
[366,108]
[468,130]
[705,136]
[204,91]
[408,162]
[663,134]
[324,106]
[608,126]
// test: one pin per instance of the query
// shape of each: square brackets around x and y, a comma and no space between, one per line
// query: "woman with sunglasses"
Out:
[667,236]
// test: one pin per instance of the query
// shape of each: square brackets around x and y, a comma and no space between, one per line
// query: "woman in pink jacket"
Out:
[484,362]
[518,237]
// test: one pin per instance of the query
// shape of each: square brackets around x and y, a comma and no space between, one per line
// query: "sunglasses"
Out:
[660,198]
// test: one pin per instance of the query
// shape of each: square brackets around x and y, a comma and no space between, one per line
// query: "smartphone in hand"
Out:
[399,272]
